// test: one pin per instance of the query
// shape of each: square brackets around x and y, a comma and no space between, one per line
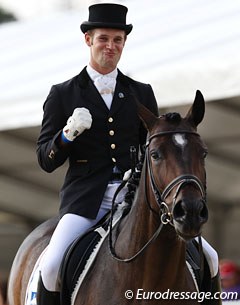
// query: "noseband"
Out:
[180,181]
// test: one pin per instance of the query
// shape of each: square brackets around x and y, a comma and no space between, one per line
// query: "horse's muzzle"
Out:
[189,217]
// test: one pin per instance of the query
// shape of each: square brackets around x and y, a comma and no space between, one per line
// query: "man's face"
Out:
[106,47]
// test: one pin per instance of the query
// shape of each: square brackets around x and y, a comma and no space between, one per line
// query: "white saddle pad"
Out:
[31,293]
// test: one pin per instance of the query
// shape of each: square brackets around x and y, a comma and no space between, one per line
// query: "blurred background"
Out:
[176,46]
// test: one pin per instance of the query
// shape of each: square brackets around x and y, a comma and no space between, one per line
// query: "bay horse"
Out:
[145,255]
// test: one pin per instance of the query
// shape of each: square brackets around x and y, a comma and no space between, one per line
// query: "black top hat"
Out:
[107,15]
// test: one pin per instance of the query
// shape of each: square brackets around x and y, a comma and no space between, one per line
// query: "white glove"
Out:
[80,120]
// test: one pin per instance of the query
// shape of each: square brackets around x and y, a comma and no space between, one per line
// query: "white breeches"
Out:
[68,229]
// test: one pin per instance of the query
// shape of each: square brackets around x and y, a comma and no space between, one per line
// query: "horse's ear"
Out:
[147,117]
[196,112]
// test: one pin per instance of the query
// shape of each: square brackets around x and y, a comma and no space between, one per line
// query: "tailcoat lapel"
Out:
[121,94]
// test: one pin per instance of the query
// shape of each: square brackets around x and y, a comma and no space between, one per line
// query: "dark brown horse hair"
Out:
[173,117]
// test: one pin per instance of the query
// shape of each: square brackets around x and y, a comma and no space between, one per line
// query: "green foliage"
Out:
[6,16]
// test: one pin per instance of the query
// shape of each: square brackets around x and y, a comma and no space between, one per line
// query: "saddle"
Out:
[76,257]
[79,252]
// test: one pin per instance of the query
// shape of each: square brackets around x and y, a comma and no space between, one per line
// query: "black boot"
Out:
[45,297]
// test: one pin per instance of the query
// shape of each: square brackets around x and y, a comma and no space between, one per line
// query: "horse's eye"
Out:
[205,153]
[155,155]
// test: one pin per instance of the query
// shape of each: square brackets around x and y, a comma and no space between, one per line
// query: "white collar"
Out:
[94,74]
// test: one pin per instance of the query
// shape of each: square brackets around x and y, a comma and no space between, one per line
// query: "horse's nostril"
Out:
[204,212]
[179,211]
[183,209]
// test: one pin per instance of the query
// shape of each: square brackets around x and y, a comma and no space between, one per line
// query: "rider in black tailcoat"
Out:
[92,121]
[93,155]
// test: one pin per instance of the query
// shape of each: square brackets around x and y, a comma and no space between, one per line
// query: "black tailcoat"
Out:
[94,153]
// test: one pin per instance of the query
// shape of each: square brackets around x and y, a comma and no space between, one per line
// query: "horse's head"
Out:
[176,174]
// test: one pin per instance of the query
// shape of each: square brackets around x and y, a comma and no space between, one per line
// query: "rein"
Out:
[164,212]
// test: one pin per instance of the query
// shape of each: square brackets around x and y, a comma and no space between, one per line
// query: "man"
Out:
[102,124]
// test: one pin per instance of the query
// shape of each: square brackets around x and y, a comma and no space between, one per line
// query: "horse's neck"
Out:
[138,228]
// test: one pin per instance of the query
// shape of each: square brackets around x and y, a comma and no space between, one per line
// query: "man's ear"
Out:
[88,39]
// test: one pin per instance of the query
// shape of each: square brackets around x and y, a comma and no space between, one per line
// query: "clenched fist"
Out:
[80,120]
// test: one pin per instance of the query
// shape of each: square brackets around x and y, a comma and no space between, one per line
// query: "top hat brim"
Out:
[87,25]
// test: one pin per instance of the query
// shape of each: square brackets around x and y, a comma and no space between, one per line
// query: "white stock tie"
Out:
[106,86]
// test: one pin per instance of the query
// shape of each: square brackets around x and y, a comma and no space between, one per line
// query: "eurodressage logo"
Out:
[184,295]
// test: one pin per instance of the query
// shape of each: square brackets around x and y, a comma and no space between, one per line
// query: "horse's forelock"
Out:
[173,117]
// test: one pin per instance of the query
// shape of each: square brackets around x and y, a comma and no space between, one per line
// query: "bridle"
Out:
[166,216]
[180,181]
